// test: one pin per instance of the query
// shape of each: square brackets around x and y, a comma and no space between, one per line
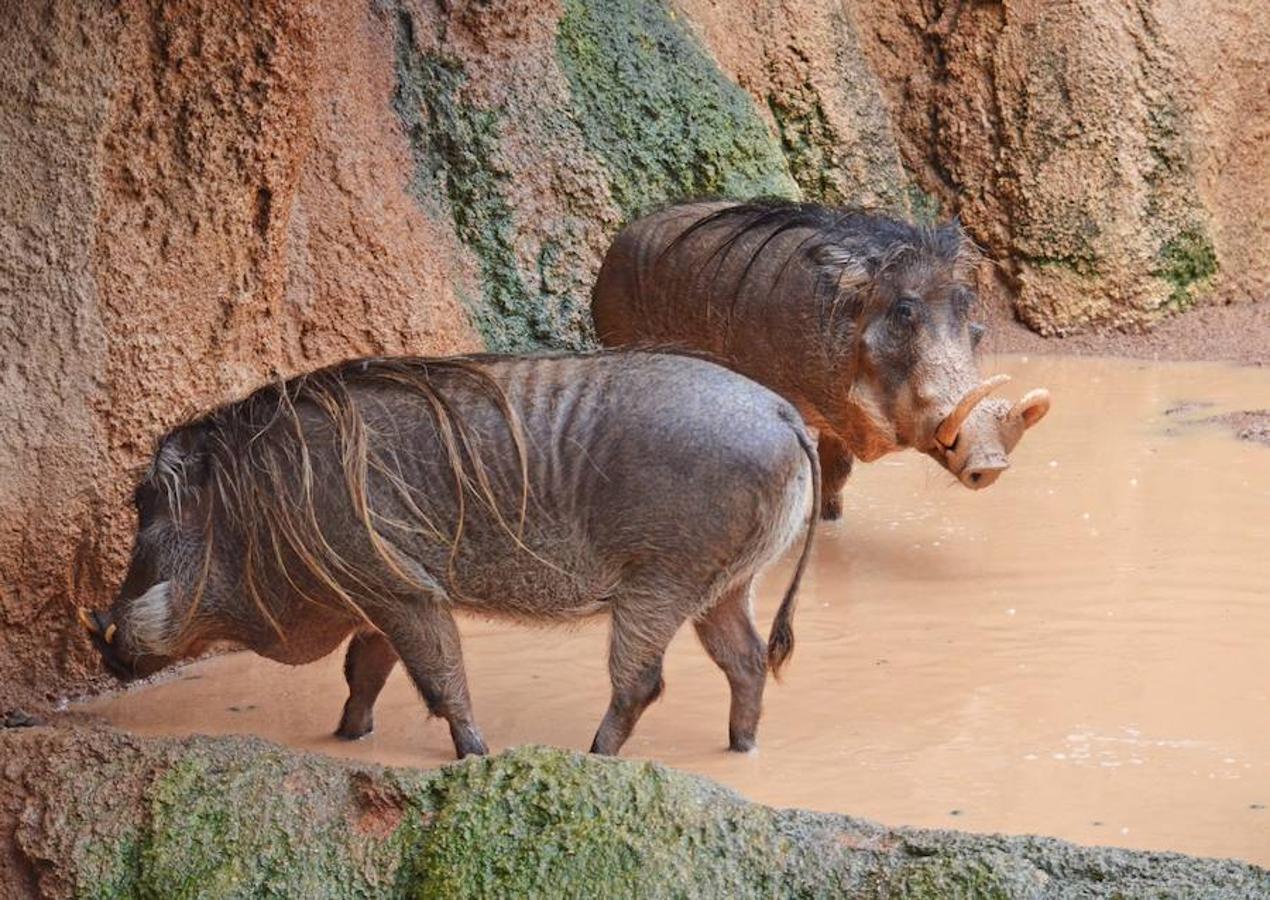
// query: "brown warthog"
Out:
[377,497]
[860,320]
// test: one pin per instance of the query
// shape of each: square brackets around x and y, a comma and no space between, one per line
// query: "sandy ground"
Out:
[1239,333]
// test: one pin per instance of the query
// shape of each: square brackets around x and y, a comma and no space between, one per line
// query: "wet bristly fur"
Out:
[861,319]
[250,455]
[848,247]
[377,497]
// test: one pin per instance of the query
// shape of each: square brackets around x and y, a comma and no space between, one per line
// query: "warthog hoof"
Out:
[468,741]
[831,507]
[354,725]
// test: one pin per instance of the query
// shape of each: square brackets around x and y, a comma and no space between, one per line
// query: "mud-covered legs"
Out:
[637,645]
[427,641]
[728,634]
[422,633]
[835,468]
[369,659]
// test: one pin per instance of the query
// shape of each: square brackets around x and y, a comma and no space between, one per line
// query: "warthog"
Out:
[860,320]
[378,497]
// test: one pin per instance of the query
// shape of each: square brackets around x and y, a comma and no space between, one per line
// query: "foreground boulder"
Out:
[104,814]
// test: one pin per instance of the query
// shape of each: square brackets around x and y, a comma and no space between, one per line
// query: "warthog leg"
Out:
[369,659]
[641,632]
[426,639]
[835,468]
[728,634]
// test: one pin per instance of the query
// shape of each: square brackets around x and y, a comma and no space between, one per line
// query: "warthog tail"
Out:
[780,643]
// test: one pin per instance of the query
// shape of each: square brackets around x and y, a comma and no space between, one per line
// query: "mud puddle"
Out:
[1082,650]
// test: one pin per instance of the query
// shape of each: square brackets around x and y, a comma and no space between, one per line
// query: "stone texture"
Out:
[1092,148]
[100,814]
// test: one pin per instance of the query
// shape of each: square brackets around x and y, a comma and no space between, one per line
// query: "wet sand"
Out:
[1082,650]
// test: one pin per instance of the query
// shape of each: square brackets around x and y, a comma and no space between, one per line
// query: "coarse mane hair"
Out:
[848,248]
[249,462]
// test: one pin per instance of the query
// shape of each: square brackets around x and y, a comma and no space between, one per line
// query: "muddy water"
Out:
[1082,650]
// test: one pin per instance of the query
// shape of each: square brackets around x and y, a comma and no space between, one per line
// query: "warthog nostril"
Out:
[981,475]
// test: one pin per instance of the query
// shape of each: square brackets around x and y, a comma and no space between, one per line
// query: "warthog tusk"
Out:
[946,433]
[1032,407]
[86,620]
[110,632]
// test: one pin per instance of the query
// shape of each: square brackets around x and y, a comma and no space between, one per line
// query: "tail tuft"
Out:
[780,642]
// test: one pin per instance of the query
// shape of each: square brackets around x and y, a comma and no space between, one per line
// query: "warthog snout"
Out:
[103,633]
[975,439]
[116,655]
[983,469]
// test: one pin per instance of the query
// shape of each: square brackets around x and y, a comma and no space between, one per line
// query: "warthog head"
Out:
[146,629]
[915,379]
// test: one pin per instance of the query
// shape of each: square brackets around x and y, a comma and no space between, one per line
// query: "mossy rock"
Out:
[1188,263]
[656,108]
[96,813]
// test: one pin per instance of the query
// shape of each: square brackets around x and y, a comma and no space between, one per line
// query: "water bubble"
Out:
[1010,611]
[1053,464]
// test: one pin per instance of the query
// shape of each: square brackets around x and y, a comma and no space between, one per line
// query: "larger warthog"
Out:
[378,497]
[861,320]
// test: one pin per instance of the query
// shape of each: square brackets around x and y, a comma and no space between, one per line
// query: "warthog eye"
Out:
[905,310]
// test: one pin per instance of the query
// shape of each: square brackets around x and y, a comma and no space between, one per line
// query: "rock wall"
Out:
[201,194]
[1109,155]
[99,814]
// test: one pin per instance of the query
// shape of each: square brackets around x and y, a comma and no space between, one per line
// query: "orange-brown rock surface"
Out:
[1110,155]
[195,198]
[201,194]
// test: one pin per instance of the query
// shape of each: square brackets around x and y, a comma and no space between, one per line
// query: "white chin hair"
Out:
[149,618]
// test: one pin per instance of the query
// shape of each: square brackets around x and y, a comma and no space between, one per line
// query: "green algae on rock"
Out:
[456,171]
[1188,262]
[655,107]
[97,813]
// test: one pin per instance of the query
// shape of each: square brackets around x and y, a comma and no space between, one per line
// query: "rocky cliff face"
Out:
[1109,155]
[199,197]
